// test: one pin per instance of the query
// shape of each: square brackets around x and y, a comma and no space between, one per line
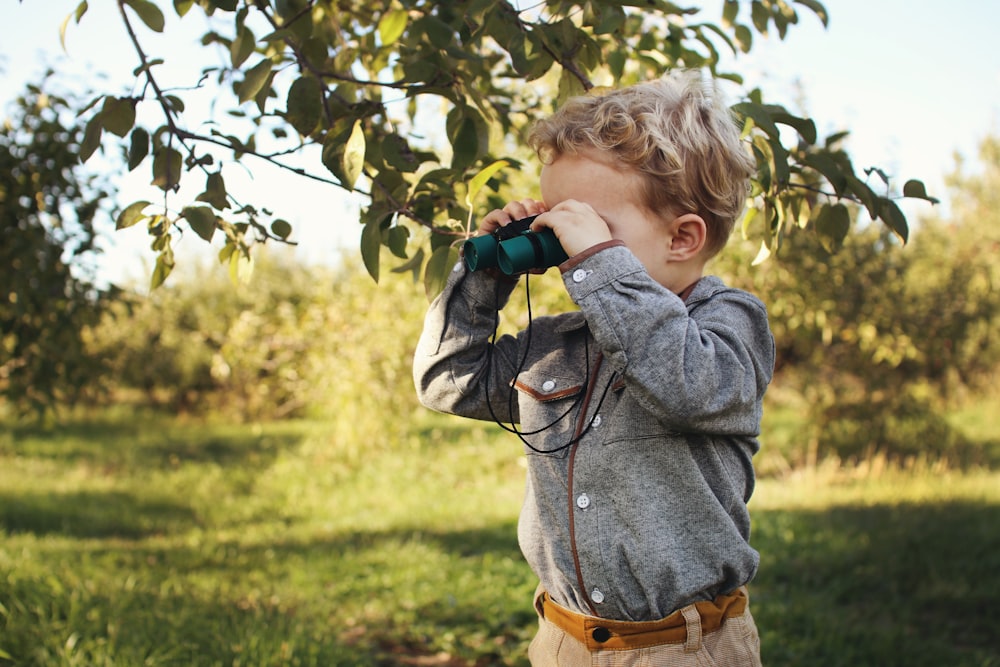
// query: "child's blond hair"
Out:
[676,132]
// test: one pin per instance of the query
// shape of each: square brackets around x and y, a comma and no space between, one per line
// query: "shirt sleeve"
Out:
[697,367]
[456,367]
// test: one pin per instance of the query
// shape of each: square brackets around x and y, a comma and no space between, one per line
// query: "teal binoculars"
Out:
[514,248]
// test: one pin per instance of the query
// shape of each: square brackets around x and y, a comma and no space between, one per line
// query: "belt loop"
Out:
[692,620]
[540,598]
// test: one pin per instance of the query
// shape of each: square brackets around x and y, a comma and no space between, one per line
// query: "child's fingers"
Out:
[523,208]
[514,210]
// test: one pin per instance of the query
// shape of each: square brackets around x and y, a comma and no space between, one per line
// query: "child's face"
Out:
[613,192]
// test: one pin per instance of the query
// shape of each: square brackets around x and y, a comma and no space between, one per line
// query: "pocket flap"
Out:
[548,388]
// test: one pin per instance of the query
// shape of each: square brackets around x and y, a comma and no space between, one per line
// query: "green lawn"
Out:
[150,541]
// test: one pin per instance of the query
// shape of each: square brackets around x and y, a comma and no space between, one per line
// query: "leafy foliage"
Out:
[48,208]
[301,343]
[876,338]
[409,101]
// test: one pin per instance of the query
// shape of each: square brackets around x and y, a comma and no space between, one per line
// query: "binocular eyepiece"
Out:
[514,248]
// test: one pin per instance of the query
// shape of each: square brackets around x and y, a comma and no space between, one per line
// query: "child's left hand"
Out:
[576,224]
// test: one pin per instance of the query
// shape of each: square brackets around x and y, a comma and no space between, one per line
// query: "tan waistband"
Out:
[602,633]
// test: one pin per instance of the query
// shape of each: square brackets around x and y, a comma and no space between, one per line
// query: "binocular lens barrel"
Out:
[514,248]
[480,252]
[531,250]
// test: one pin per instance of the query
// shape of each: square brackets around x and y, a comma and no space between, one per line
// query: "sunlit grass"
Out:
[142,540]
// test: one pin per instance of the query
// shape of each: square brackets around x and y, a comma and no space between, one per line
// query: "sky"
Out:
[915,82]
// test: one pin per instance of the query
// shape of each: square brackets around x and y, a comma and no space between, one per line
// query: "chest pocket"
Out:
[549,405]
[629,421]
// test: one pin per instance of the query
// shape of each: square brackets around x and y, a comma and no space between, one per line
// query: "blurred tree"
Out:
[877,340]
[320,342]
[371,86]
[48,206]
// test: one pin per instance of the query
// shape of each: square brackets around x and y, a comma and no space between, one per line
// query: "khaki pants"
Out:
[721,633]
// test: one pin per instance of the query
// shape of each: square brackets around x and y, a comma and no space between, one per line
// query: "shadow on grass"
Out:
[230,603]
[91,514]
[150,441]
[909,584]
[883,585]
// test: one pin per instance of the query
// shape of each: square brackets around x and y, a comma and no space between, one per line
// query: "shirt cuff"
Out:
[589,252]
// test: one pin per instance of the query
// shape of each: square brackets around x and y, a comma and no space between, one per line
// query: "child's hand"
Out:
[576,224]
[515,210]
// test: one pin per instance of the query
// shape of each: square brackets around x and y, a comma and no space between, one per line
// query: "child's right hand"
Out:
[514,210]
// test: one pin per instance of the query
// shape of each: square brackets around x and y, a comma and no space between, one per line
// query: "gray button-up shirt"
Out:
[640,414]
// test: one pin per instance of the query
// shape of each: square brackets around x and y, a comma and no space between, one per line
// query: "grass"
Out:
[142,540]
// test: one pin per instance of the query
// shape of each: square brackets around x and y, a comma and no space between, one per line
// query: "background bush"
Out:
[876,342]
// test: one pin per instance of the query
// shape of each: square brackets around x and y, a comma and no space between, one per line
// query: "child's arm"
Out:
[703,367]
[450,365]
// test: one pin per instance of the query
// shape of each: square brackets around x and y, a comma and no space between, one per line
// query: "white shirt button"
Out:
[580,275]
[548,385]
[583,501]
[596,421]
[597,596]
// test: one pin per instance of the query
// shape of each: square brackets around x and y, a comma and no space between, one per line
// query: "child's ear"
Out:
[689,233]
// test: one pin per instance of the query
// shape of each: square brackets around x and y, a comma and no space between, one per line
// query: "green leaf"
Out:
[391,26]
[397,154]
[782,172]
[254,80]
[241,268]
[304,104]
[438,269]
[412,265]
[894,219]
[132,214]
[226,252]
[437,31]
[167,163]
[829,169]
[91,137]
[729,11]
[760,16]
[864,194]
[242,47]
[916,189]
[569,86]
[118,115]
[354,156]
[616,62]
[611,21]
[806,127]
[138,148]
[743,37]
[748,219]
[281,228]
[78,13]
[201,219]
[480,179]
[878,171]
[761,117]
[817,8]
[833,222]
[215,192]
[468,142]
[149,13]
[396,239]
[164,265]
[182,7]
[371,246]
[762,255]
